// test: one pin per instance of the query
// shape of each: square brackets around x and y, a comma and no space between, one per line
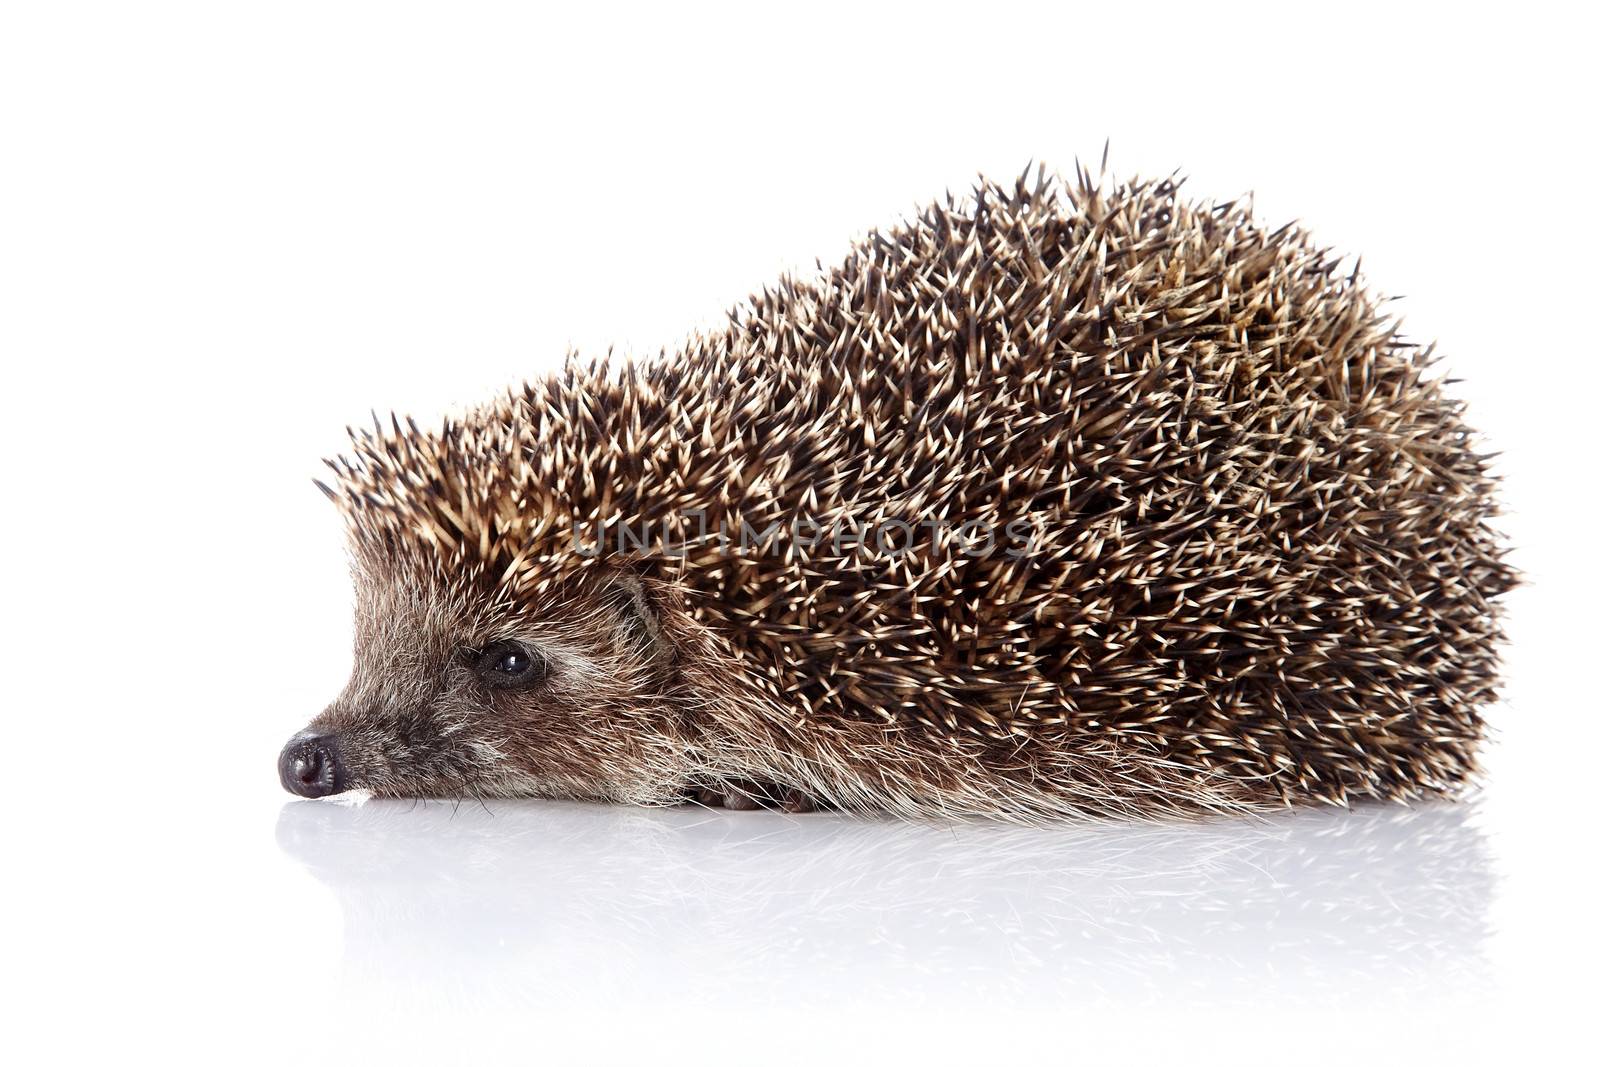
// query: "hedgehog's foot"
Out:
[743,795]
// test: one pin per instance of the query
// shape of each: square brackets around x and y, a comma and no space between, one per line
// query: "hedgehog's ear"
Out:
[640,614]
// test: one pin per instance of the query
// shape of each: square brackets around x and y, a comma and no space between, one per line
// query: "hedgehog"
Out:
[1066,497]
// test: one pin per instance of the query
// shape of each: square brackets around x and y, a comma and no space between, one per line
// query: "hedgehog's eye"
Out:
[509,665]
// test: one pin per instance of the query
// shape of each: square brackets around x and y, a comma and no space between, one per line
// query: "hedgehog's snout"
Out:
[309,765]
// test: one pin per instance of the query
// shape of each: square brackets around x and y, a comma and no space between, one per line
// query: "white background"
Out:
[228,230]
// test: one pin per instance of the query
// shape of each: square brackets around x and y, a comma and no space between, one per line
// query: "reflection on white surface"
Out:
[551,907]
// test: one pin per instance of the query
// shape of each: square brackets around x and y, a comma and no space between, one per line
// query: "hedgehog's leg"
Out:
[749,796]
[706,798]
[795,802]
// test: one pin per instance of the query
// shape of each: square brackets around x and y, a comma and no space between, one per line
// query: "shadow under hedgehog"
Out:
[1060,499]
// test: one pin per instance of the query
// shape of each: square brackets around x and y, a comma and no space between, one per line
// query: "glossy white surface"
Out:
[401,932]
[226,231]
[553,909]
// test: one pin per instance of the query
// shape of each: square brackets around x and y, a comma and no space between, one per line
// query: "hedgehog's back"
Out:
[1256,543]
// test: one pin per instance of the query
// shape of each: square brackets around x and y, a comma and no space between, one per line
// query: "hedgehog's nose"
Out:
[309,766]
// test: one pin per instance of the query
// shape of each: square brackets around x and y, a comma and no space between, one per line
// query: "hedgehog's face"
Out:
[460,699]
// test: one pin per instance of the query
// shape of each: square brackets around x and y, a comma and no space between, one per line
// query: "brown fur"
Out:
[1261,571]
